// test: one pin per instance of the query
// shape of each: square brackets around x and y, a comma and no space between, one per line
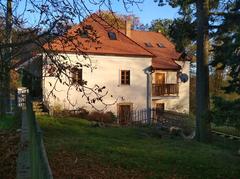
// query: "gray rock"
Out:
[175,131]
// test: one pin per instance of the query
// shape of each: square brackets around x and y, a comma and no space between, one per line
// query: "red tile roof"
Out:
[164,57]
[123,46]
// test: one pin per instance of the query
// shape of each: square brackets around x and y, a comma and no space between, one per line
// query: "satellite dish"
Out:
[183,77]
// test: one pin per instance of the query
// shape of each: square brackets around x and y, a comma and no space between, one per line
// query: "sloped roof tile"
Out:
[164,57]
[99,42]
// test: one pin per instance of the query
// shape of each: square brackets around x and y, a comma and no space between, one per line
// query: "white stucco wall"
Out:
[178,103]
[107,73]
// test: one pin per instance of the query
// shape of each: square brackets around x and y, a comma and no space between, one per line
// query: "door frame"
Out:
[123,104]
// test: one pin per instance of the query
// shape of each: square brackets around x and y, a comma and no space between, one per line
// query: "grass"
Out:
[142,149]
[8,123]
[227,130]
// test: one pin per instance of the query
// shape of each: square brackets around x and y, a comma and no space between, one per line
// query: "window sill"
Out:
[123,85]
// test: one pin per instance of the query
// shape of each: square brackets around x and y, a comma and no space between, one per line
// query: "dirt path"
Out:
[8,154]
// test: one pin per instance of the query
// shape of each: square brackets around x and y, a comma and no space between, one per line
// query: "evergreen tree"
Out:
[216,25]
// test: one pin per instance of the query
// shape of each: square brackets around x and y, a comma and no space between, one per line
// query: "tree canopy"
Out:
[214,27]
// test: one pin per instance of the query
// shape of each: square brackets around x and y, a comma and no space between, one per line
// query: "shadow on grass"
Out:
[9,123]
[140,149]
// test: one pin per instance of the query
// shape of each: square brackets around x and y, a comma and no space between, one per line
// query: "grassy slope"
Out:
[8,122]
[135,148]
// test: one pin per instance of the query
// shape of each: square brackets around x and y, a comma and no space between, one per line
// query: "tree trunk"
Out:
[203,128]
[2,106]
[7,56]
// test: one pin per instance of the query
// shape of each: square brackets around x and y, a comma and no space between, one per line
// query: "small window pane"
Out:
[84,33]
[112,35]
[148,44]
[160,45]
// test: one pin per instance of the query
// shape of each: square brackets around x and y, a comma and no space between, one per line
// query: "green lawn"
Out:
[8,122]
[138,149]
[227,130]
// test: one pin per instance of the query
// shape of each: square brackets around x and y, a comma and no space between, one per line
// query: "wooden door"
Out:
[160,108]
[159,78]
[124,114]
[159,111]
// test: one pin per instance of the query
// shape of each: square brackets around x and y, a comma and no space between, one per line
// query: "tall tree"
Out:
[161,25]
[202,83]
[118,20]
[6,61]
[218,21]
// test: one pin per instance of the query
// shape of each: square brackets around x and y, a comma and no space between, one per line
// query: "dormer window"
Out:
[160,45]
[148,44]
[112,35]
[84,33]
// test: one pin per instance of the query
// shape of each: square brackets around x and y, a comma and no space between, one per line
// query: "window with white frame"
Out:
[125,77]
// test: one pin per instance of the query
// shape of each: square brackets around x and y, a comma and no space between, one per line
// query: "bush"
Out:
[80,113]
[226,113]
[107,117]
[56,109]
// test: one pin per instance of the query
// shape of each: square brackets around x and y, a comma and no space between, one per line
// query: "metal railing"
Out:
[165,89]
[140,116]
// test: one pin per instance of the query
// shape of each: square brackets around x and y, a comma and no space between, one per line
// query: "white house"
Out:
[139,69]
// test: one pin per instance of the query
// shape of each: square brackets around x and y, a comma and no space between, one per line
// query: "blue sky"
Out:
[149,11]
[146,11]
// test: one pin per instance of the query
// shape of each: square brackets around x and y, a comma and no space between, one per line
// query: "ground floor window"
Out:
[76,76]
[160,106]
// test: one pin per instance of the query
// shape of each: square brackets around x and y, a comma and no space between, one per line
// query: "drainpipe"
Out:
[149,72]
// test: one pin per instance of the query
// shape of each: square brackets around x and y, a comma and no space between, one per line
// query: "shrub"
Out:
[107,117]
[56,109]
[226,113]
[80,112]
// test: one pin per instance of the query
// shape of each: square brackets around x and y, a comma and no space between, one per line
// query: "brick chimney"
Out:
[128,26]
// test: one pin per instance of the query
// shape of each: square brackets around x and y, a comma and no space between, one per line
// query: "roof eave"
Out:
[103,53]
